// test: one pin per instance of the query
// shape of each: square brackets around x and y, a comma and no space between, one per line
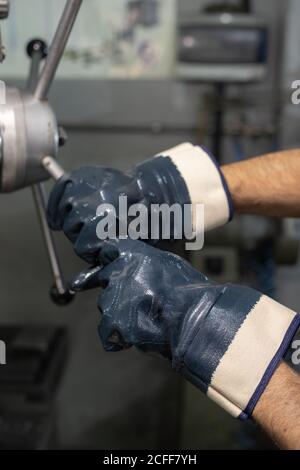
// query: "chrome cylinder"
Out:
[28,133]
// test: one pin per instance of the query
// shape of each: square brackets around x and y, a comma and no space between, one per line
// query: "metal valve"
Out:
[29,132]
[30,137]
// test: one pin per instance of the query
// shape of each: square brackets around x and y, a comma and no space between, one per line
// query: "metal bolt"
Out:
[62,136]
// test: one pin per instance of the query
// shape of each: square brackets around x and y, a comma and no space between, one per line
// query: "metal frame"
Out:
[57,48]
[40,88]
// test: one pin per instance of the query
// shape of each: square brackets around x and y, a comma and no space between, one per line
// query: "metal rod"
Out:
[39,195]
[38,190]
[57,48]
[53,168]
[36,59]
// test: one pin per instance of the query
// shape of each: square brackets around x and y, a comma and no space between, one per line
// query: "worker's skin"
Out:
[278,410]
[269,186]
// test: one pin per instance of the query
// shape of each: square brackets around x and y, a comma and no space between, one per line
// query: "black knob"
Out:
[61,299]
[37,45]
[62,136]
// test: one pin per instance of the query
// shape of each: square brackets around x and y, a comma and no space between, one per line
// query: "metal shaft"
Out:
[57,48]
[38,190]
[34,70]
[53,168]
[40,201]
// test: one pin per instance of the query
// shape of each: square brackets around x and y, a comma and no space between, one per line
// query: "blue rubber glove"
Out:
[225,339]
[186,175]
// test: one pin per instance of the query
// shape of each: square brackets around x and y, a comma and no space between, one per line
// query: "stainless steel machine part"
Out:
[30,137]
[53,168]
[41,203]
[60,292]
[37,50]
[29,132]
[28,126]
[57,48]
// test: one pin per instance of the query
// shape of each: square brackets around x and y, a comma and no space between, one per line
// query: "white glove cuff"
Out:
[205,183]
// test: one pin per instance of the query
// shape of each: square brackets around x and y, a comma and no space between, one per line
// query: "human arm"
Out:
[278,410]
[227,340]
[268,185]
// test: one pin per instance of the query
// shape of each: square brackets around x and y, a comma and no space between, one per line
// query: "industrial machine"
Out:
[36,357]
[222,47]
[30,136]
[226,46]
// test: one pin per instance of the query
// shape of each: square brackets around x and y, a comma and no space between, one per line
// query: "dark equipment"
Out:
[36,358]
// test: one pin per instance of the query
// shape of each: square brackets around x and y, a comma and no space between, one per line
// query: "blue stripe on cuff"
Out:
[246,414]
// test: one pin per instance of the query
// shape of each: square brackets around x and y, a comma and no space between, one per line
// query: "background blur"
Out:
[118,117]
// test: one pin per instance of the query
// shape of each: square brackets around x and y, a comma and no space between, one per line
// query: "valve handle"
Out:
[60,292]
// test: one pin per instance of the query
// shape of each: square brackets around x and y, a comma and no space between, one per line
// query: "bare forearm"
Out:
[278,410]
[267,185]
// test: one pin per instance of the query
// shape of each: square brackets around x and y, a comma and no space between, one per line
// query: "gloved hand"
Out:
[225,339]
[183,175]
